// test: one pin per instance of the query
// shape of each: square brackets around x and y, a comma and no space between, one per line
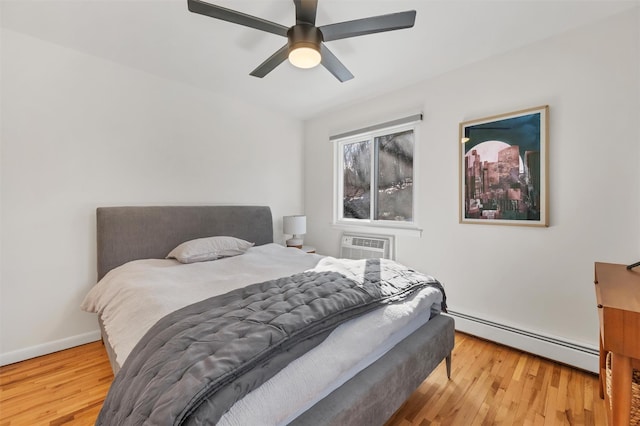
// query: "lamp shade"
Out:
[304,57]
[294,225]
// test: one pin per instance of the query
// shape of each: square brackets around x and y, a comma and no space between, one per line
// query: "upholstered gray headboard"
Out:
[131,233]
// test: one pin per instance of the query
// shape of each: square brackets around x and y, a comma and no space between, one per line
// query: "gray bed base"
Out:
[369,398]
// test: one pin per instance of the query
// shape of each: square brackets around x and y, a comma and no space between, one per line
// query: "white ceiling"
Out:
[165,39]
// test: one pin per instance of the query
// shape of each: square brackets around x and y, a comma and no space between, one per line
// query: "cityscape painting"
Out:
[503,169]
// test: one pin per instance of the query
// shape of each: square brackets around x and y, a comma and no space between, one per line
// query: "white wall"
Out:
[538,279]
[79,132]
[638,94]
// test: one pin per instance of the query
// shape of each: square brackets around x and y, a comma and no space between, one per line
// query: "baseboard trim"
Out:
[49,347]
[563,351]
[577,355]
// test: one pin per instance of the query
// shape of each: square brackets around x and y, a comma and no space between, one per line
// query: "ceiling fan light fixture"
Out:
[304,46]
[304,57]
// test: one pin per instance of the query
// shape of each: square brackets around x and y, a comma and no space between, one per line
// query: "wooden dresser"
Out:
[618,297]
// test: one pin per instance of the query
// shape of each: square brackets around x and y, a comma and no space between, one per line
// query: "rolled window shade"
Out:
[400,121]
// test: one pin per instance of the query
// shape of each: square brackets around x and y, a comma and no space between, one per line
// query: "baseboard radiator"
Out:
[565,352]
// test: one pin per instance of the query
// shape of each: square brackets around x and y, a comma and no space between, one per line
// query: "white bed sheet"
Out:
[131,298]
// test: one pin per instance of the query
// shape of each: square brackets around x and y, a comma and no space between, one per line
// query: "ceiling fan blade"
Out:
[219,12]
[306,11]
[374,24]
[274,60]
[333,64]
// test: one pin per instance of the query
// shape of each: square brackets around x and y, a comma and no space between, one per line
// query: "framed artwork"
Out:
[504,169]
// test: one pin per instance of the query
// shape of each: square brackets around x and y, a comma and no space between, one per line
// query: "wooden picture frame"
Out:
[503,169]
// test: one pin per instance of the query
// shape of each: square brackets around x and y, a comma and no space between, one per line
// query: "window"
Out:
[375,177]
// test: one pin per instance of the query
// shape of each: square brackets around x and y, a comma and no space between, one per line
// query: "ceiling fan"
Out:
[305,47]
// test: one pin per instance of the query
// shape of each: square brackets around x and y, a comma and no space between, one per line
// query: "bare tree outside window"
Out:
[386,192]
[357,180]
[395,176]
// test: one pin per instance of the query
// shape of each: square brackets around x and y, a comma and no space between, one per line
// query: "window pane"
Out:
[395,177]
[357,180]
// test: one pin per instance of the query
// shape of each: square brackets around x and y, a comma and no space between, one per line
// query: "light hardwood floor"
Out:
[490,385]
[66,387]
[495,385]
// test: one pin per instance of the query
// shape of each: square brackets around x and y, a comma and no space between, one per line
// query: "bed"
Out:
[371,394]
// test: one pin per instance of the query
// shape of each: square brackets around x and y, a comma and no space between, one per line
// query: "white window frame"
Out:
[350,224]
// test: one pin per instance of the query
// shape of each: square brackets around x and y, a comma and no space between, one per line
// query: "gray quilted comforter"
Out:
[198,361]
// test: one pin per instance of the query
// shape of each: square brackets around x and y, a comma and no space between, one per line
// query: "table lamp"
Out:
[296,226]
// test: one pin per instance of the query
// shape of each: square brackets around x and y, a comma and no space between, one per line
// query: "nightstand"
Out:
[306,249]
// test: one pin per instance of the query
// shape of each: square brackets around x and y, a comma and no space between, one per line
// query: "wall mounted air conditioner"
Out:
[360,246]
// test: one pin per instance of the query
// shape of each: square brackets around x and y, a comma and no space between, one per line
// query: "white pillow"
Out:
[211,248]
